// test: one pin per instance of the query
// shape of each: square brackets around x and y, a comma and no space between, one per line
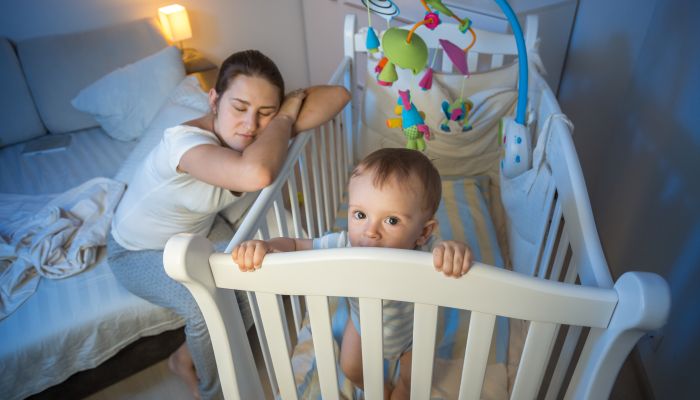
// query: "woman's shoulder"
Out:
[185,129]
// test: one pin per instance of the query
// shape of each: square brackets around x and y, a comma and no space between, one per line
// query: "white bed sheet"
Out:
[72,324]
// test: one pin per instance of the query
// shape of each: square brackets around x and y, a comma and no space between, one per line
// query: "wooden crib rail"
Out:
[617,316]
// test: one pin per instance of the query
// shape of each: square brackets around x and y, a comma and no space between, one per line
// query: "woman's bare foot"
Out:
[181,364]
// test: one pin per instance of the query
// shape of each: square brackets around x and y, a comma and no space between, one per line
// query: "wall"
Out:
[631,87]
[219,27]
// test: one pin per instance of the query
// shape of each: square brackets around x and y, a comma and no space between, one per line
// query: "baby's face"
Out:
[388,217]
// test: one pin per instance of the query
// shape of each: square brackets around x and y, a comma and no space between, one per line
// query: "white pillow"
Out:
[125,101]
[189,93]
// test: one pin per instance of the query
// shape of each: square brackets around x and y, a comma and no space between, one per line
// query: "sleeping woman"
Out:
[198,169]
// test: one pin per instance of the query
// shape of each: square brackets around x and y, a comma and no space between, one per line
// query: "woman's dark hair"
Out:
[250,63]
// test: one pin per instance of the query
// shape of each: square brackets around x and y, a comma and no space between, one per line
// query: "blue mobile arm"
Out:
[522,60]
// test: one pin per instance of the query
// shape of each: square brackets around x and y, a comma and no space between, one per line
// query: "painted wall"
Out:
[219,27]
[631,87]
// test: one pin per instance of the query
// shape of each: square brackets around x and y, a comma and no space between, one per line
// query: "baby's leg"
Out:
[351,354]
[403,386]
[351,357]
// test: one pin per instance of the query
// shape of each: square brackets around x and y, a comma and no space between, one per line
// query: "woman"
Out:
[198,169]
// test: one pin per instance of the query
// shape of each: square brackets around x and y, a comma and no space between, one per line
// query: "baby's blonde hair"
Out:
[405,166]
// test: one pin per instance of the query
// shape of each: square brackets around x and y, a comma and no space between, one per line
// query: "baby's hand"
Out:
[452,258]
[249,255]
[292,104]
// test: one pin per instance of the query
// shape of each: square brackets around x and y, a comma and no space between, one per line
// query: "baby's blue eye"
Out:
[359,215]
[392,220]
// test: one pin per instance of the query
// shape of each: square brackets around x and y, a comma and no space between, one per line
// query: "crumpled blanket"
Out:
[52,236]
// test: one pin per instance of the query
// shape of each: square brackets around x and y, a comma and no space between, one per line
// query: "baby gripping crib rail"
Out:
[617,316]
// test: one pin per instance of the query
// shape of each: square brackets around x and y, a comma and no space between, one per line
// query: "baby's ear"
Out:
[428,229]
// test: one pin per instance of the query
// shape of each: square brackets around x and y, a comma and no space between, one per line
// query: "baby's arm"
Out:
[249,254]
[452,258]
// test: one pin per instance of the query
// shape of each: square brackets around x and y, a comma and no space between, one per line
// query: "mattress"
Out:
[54,172]
[463,215]
[76,323]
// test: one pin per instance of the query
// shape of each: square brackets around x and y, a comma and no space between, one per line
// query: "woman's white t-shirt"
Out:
[161,201]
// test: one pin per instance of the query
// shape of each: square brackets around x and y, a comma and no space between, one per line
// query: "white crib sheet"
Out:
[463,215]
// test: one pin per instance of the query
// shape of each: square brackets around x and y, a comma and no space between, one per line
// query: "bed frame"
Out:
[582,326]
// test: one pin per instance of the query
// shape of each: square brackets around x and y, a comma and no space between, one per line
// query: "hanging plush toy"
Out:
[458,112]
[411,122]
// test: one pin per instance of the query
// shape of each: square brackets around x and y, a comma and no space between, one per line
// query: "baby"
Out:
[393,196]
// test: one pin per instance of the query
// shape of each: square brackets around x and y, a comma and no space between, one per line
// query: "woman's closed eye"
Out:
[359,215]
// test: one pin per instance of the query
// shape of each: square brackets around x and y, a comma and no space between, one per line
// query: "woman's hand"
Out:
[452,258]
[249,255]
[292,104]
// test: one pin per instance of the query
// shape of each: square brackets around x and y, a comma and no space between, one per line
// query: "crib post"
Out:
[605,351]
[186,259]
[350,28]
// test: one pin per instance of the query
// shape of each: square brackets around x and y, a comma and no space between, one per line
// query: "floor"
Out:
[157,382]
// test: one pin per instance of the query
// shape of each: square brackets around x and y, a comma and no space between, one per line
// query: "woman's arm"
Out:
[258,164]
[322,103]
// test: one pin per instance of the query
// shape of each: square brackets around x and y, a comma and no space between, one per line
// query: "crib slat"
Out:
[333,163]
[294,202]
[446,65]
[264,232]
[319,316]
[280,216]
[325,184]
[571,273]
[473,61]
[546,256]
[424,332]
[533,361]
[563,362]
[306,192]
[372,348]
[342,129]
[275,333]
[560,256]
[264,349]
[340,169]
[476,355]
[317,184]
[496,60]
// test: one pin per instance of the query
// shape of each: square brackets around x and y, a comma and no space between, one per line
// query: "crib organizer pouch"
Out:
[540,266]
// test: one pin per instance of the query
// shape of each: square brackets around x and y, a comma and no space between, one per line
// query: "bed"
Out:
[78,323]
[537,316]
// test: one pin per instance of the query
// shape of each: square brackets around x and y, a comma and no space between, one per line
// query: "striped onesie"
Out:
[397,316]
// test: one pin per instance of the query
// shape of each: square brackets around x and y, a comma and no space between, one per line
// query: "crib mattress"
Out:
[463,215]
[76,323]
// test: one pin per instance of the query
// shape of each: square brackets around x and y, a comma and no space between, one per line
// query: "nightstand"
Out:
[204,70]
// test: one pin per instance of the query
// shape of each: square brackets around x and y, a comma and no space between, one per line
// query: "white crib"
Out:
[581,325]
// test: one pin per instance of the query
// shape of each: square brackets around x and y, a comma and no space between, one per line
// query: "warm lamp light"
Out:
[175,23]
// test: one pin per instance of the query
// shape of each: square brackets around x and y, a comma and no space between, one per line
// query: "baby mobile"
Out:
[405,49]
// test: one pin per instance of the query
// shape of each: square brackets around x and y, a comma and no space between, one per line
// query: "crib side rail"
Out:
[617,316]
[186,259]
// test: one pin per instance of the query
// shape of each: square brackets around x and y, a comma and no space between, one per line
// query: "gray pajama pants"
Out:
[143,274]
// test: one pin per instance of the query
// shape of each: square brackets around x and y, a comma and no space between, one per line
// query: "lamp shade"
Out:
[175,23]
